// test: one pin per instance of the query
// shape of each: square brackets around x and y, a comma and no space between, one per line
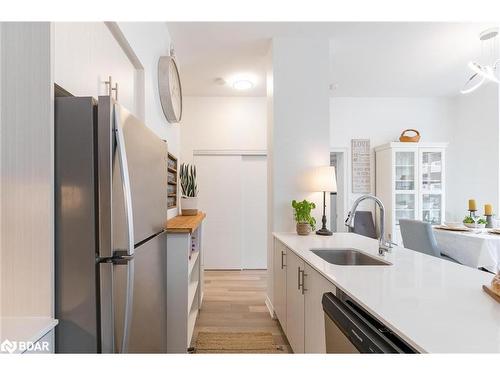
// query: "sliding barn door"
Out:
[254,212]
[219,184]
[232,192]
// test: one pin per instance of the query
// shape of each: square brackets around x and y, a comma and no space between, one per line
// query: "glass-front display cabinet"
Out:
[410,183]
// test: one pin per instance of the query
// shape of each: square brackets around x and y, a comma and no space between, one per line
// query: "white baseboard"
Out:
[270,307]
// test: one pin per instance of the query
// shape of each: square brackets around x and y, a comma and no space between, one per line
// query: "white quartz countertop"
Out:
[435,305]
[25,329]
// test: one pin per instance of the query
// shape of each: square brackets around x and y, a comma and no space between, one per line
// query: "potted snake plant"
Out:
[302,214]
[189,189]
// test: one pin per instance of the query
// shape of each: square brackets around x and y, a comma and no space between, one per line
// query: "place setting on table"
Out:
[475,242]
[474,223]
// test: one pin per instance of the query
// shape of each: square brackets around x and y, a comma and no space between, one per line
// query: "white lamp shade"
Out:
[325,179]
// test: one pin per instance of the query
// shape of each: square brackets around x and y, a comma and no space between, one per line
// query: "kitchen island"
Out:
[436,306]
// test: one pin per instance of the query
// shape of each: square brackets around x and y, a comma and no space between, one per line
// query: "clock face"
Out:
[170,89]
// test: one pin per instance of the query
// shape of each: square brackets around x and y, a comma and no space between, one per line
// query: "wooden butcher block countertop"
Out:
[185,224]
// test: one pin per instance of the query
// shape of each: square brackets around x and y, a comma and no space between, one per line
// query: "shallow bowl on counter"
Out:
[475,226]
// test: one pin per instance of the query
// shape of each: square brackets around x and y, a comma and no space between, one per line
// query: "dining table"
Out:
[476,248]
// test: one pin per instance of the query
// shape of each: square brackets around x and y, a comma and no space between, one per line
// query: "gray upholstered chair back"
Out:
[417,235]
[364,225]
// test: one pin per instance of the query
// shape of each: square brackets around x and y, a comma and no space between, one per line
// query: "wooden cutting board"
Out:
[455,229]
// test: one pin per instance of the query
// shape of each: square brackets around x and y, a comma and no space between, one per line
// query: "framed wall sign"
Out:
[360,165]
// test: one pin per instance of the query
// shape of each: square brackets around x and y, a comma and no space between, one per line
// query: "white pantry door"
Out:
[232,192]
[219,196]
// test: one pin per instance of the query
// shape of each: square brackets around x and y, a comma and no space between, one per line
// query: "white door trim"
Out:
[346,179]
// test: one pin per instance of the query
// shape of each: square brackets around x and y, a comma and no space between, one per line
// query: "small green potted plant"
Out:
[474,222]
[189,198]
[302,213]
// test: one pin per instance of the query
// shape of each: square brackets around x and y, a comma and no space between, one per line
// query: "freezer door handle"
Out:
[127,193]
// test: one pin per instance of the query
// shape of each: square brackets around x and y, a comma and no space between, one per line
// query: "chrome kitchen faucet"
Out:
[384,246]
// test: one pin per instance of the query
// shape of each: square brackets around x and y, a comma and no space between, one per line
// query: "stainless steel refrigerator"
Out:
[110,209]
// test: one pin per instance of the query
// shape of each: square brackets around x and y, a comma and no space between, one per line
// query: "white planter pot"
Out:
[189,206]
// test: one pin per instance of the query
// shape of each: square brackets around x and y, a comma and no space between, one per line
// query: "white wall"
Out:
[473,155]
[232,187]
[222,123]
[383,119]
[86,54]
[298,128]
[150,40]
[468,122]
[27,170]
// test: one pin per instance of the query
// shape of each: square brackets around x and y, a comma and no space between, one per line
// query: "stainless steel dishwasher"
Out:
[350,329]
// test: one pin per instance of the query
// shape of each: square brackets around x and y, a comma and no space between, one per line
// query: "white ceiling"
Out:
[367,59]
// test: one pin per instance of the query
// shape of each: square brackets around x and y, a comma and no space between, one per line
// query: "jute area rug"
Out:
[235,342]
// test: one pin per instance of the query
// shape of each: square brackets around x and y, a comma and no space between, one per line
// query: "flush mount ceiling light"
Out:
[486,72]
[242,82]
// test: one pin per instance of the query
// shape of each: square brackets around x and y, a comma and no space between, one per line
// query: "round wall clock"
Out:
[169,84]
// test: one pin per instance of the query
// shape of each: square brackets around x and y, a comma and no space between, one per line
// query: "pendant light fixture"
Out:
[488,71]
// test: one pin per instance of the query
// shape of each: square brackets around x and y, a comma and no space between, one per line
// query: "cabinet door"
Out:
[405,187]
[314,322]
[432,185]
[86,53]
[294,302]
[279,282]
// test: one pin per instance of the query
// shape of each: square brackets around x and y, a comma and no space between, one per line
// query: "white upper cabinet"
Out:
[85,55]
[410,181]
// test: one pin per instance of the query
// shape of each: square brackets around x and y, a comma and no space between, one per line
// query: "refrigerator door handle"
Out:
[127,193]
[129,301]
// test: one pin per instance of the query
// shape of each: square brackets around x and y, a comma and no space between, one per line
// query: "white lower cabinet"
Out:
[184,287]
[279,282]
[298,291]
[294,302]
[314,323]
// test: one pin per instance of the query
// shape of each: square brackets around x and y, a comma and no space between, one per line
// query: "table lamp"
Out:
[325,181]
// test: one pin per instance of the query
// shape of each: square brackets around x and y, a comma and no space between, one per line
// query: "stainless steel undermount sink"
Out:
[349,257]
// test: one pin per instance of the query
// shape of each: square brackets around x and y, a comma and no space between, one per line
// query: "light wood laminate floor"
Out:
[234,301]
